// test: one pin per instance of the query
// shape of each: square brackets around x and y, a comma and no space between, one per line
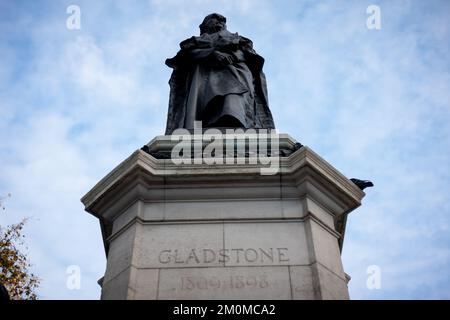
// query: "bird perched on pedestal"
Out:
[362,184]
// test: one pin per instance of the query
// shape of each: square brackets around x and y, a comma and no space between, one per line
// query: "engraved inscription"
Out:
[234,255]
[232,282]
[237,282]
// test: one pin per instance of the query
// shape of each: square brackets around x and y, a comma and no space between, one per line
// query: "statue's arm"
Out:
[255,61]
[197,48]
[200,50]
[191,51]
[246,45]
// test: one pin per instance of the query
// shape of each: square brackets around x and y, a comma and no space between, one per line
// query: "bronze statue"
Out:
[217,78]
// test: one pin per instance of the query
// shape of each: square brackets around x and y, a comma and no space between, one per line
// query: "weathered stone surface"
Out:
[145,284]
[132,283]
[165,226]
[329,285]
[303,283]
[178,245]
[120,253]
[324,248]
[117,288]
[225,283]
[266,243]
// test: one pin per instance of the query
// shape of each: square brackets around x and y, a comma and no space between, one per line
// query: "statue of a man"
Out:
[217,78]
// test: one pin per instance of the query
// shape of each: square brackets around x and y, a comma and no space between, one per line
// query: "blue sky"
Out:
[374,103]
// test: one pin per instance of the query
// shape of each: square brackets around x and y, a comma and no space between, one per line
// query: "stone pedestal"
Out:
[199,231]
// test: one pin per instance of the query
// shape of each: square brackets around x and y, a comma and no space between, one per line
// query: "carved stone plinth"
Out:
[223,231]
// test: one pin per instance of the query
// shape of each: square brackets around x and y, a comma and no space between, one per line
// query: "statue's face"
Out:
[213,25]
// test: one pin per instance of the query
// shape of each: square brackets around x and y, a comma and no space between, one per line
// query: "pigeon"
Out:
[362,184]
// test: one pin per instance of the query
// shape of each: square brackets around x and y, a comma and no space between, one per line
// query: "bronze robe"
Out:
[201,89]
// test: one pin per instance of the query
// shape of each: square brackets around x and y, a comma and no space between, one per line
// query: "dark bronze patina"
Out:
[217,78]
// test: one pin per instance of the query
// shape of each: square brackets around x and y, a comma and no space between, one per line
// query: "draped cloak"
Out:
[201,89]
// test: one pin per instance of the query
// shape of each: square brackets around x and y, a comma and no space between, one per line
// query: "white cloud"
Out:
[373,103]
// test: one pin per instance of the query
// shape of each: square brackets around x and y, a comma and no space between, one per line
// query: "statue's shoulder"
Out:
[245,40]
[188,43]
[196,42]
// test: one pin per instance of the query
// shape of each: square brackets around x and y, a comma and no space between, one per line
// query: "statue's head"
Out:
[212,23]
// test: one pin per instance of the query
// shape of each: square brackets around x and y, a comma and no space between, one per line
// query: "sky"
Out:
[375,103]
